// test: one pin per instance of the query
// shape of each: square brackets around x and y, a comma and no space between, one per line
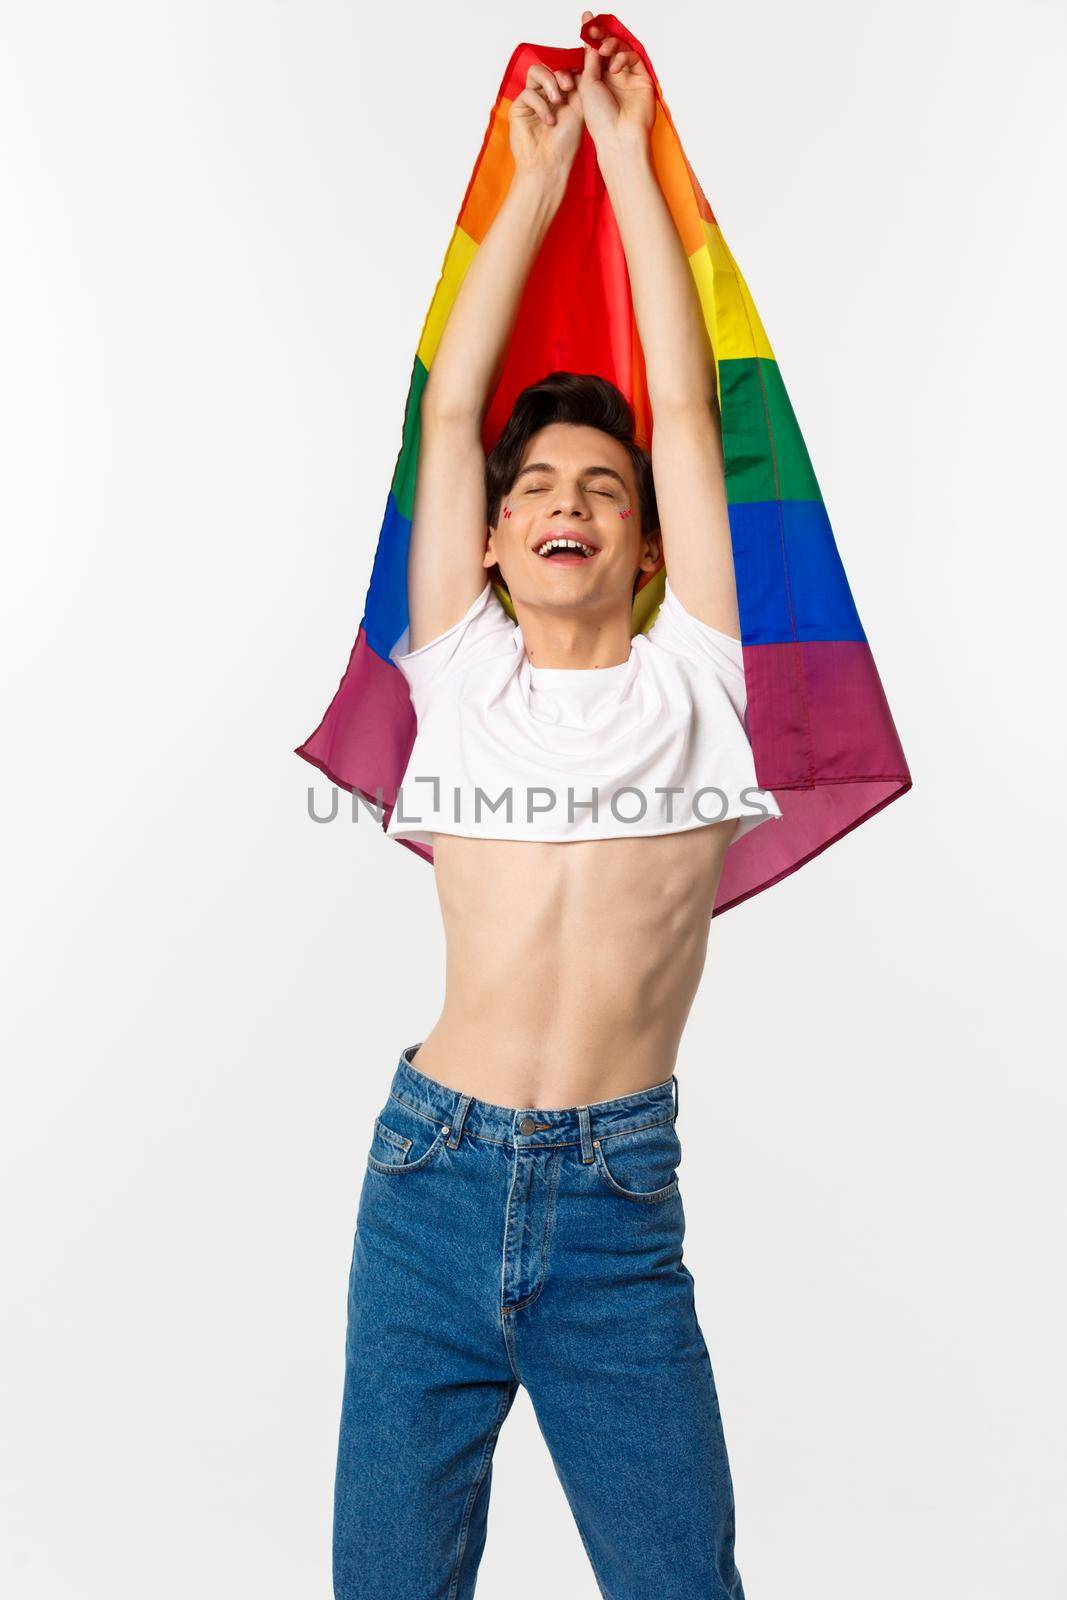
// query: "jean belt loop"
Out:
[586,1132]
[460,1118]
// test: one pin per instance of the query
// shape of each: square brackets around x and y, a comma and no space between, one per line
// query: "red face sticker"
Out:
[507,511]
[626,511]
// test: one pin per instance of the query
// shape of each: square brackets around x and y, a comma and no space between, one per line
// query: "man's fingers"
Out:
[539,77]
[627,61]
[555,86]
[537,103]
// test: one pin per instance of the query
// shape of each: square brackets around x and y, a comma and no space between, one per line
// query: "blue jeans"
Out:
[495,1246]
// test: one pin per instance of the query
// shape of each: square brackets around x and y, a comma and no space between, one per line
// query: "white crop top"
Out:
[507,750]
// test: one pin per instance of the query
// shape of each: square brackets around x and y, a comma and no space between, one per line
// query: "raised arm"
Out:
[445,570]
[619,104]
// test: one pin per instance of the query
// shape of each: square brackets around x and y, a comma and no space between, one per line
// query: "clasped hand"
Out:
[617,105]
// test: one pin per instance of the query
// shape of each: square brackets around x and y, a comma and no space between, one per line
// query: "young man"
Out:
[520,1219]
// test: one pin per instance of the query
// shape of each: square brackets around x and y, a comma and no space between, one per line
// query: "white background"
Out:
[223,225]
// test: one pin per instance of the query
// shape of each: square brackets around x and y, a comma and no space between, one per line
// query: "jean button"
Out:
[527,1125]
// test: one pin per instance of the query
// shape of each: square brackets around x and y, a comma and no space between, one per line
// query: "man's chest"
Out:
[594,880]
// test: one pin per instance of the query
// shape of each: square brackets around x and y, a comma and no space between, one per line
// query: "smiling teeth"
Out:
[564,544]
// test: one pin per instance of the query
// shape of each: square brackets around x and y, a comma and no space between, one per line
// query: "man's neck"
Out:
[580,638]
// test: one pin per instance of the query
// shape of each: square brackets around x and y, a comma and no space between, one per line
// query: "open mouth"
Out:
[565,550]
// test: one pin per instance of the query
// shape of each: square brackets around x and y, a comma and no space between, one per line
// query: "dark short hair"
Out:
[580,398]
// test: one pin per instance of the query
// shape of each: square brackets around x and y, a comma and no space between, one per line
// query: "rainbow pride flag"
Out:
[821,730]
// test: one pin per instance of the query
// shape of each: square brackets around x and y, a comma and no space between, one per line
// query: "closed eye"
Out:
[606,492]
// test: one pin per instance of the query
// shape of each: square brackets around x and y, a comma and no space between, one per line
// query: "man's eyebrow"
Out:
[588,472]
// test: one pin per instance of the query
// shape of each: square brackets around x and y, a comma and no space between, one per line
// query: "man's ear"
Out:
[652,558]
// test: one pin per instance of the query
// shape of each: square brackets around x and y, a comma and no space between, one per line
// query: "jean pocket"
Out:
[642,1163]
[404,1140]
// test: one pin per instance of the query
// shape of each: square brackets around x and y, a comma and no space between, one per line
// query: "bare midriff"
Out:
[571,967]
